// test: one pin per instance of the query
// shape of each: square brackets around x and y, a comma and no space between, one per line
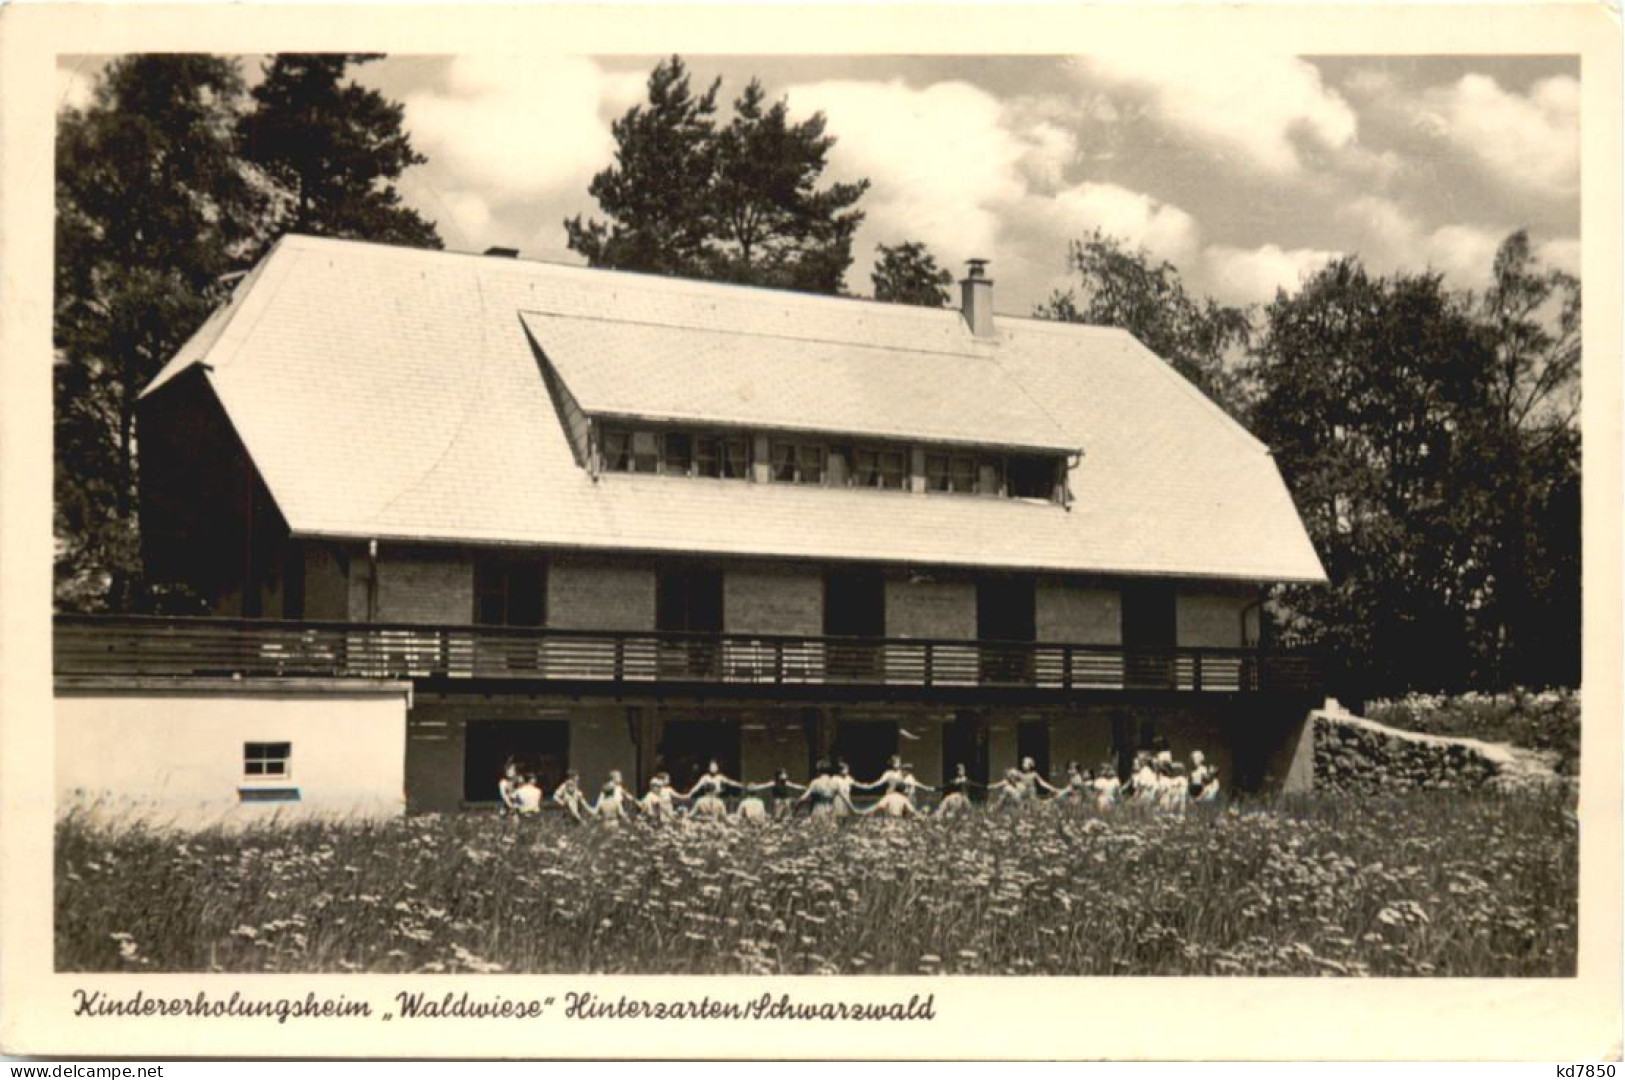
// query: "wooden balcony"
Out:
[655,661]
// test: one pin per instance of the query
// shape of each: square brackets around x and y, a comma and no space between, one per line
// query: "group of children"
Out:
[1156,781]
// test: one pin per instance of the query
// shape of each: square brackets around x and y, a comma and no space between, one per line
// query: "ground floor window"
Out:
[266,759]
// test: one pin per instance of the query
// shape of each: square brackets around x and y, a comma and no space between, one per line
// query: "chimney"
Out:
[502,252]
[977,298]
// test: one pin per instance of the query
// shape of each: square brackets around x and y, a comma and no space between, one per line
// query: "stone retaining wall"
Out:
[1361,757]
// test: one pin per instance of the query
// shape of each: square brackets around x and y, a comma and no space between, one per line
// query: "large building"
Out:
[448,509]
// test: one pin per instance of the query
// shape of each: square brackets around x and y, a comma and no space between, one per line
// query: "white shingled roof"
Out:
[393,393]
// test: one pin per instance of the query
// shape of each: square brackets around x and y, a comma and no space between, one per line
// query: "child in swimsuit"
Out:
[826,796]
[611,805]
[568,796]
[956,794]
[707,794]
[783,790]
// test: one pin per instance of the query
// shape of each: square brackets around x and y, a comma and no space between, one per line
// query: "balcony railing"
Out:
[160,646]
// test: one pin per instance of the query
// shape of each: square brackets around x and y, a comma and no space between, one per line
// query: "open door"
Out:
[1150,632]
[541,747]
[1007,614]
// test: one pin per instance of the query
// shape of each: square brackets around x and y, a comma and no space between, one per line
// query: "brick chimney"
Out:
[977,298]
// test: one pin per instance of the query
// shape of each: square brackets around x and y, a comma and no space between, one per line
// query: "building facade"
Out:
[598,521]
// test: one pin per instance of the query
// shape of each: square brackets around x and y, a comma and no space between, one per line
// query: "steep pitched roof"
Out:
[396,394]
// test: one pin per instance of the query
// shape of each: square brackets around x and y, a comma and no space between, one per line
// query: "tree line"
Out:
[1428,434]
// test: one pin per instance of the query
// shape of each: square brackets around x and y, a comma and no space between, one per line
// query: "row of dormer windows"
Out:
[819,463]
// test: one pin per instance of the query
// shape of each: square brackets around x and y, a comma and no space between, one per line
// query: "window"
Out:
[266,759]
[645,452]
[722,457]
[510,592]
[964,474]
[798,463]
[674,453]
[617,450]
[678,455]
[879,468]
[1031,477]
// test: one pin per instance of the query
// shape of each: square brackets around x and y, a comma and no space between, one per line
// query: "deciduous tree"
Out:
[1118,286]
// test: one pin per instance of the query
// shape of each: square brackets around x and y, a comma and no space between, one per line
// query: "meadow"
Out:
[1420,885]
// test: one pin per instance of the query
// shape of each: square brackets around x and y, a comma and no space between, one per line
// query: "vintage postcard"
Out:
[804,532]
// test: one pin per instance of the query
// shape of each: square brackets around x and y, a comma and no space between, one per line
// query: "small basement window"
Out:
[263,760]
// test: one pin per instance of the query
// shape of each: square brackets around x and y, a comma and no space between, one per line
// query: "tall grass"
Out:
[1424,885]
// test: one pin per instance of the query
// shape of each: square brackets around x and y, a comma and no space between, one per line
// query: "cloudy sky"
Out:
[1244,175]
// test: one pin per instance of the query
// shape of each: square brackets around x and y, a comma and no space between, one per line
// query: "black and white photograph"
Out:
[749,513]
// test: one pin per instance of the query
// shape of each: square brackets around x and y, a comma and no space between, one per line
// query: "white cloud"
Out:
[1242,275]
[947,163]
[470,215]
[521,127]
[1465,254]
[1389,238]
[1531,141]
[1561,254]
[1256,105]
[1167,231]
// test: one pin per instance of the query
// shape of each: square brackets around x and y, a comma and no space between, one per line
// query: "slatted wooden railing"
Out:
[161,646]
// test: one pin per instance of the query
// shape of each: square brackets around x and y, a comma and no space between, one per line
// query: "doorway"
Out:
[1007,613]
[865,745]
[1150,632]
[541,747]
[1032,741]
[686,747]
[965,743]
[854,607]
[689,600]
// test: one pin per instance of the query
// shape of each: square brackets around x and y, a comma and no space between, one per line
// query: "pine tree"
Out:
[335,148]
[771,223]
[655,193]
[738,203]
[907,273]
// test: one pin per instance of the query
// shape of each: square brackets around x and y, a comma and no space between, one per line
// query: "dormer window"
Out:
[722,457]
[630,451]
[879,468]
[798,462]
[674,453]
[964,474]
[1032,477]
[677,453]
